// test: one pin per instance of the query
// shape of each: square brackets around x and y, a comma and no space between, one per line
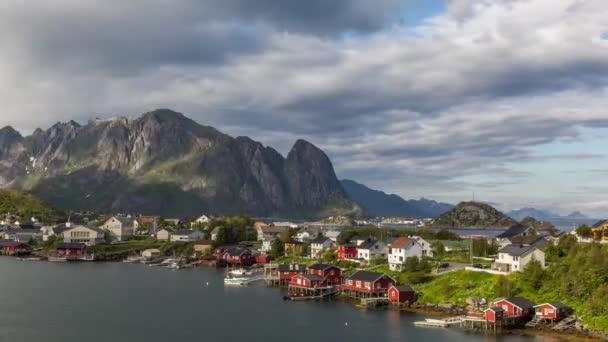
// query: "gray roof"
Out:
[184,232]
[368,244]
[599,223]
[496,309]
[319,240]
[124,220]
[517,250]
[366,276]
[319,267]
[67,245]
[292,268]
[522,303]
[513,231]
[530,240]
[312,277]
[405,288]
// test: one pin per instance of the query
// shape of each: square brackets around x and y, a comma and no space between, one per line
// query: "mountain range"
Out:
[378,203]
[540,214]
[165,163]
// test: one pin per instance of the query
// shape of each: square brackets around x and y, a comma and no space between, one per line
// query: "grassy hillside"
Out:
[577,275]
[26,206]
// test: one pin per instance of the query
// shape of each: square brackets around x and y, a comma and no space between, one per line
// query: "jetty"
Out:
[440,323]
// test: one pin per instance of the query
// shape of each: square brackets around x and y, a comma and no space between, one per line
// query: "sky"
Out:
[501,100]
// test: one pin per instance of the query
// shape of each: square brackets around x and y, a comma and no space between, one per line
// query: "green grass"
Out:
[457,287]
[129,246]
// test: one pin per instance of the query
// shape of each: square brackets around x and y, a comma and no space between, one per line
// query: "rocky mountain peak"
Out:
[473,215]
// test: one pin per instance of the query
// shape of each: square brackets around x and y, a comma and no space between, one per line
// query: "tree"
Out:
[277,249]
[438,249]
[503,287]
[329,256]
[222,236]
[532,276]
[584,231]
[412,264]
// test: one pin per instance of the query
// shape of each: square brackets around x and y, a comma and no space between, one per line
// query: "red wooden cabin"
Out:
[402,294]
[332,274]
[263,259]
[552,311]
[344,252]
[238,256]
[516,307]
[71,249]
[308,281]
[288,271]
[494,314]
[15,248]
[372,283]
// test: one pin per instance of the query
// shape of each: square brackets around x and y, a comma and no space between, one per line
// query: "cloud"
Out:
[415,110]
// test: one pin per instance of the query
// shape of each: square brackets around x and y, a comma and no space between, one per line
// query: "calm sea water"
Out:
[103,302]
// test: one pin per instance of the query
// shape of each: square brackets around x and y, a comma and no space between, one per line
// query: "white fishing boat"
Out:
[88,257]
[240,272]
[237,281]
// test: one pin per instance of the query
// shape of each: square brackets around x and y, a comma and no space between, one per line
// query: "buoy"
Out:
[207,283]
[345,324]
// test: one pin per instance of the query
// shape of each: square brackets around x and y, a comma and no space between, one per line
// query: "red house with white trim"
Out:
[67,249]
[494,314]
[238,256]
[308,281]
[368,283]
[516,307]
[288,271]
[344,252]
[551,311]
[331,274]
[402,294]
[14,248]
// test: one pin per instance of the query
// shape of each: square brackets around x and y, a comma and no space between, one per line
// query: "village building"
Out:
[174,222]
[553,312]
[319,245]
[600,230]
[538,241]
[238,256]
[15,248]
[332,274]
[365,284]
[494,314]
[402,249]
[164,234]
[202,220]
[266,246]
[294,248]
[186,235]
[516,307]
[203,246]
[56,231]
[119,228]
[269,231]
[306,234]
[346,252]
[513,231]
[83,234]
[514,258]
[403,294]
[27,234]
[145,225]
[372,248]
[151,253]
[68,249]
[427,250]
[333,235]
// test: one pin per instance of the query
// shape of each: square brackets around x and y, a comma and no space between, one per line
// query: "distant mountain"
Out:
[378,203]
[576,215]
[542,215]
[473,215]
[538,214]
[165,163]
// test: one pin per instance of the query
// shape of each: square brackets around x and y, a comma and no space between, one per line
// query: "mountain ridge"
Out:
[164,162]
[379,203]
[473,215]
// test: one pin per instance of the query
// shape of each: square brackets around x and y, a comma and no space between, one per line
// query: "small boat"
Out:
[58,259]
[133,260]
[88,257]
[240,272]
[237,281]
[29,259]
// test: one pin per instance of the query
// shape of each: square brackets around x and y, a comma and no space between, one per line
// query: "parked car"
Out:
[443,265]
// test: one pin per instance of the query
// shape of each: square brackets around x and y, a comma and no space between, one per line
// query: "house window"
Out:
[358,283]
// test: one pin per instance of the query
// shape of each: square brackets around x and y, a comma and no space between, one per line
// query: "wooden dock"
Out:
[440,323]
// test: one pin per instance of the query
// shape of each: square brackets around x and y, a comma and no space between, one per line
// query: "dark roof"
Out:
[204,242]
[27,226]
[599,223]
[236,251]
[366,276]
[319,240]
[522,303]
[312,277]
[513,231]
[67,245]
[368,244]
[292,267]
[516,250]
[14,244]
[320,267]
[530,240]
[404,288]
[495,309]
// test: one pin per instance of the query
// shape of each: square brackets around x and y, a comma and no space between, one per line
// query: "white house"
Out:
[372,248]
[204,219]
[402,249]
[333,235]
[151,253]
[269,231]
[514,258]
[426,246]
[266,244]
[142,222]
[186,235]
[163,235]
[318,245]
[80,234]
[120,228]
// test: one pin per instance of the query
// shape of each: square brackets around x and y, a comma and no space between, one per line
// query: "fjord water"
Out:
[95,302]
